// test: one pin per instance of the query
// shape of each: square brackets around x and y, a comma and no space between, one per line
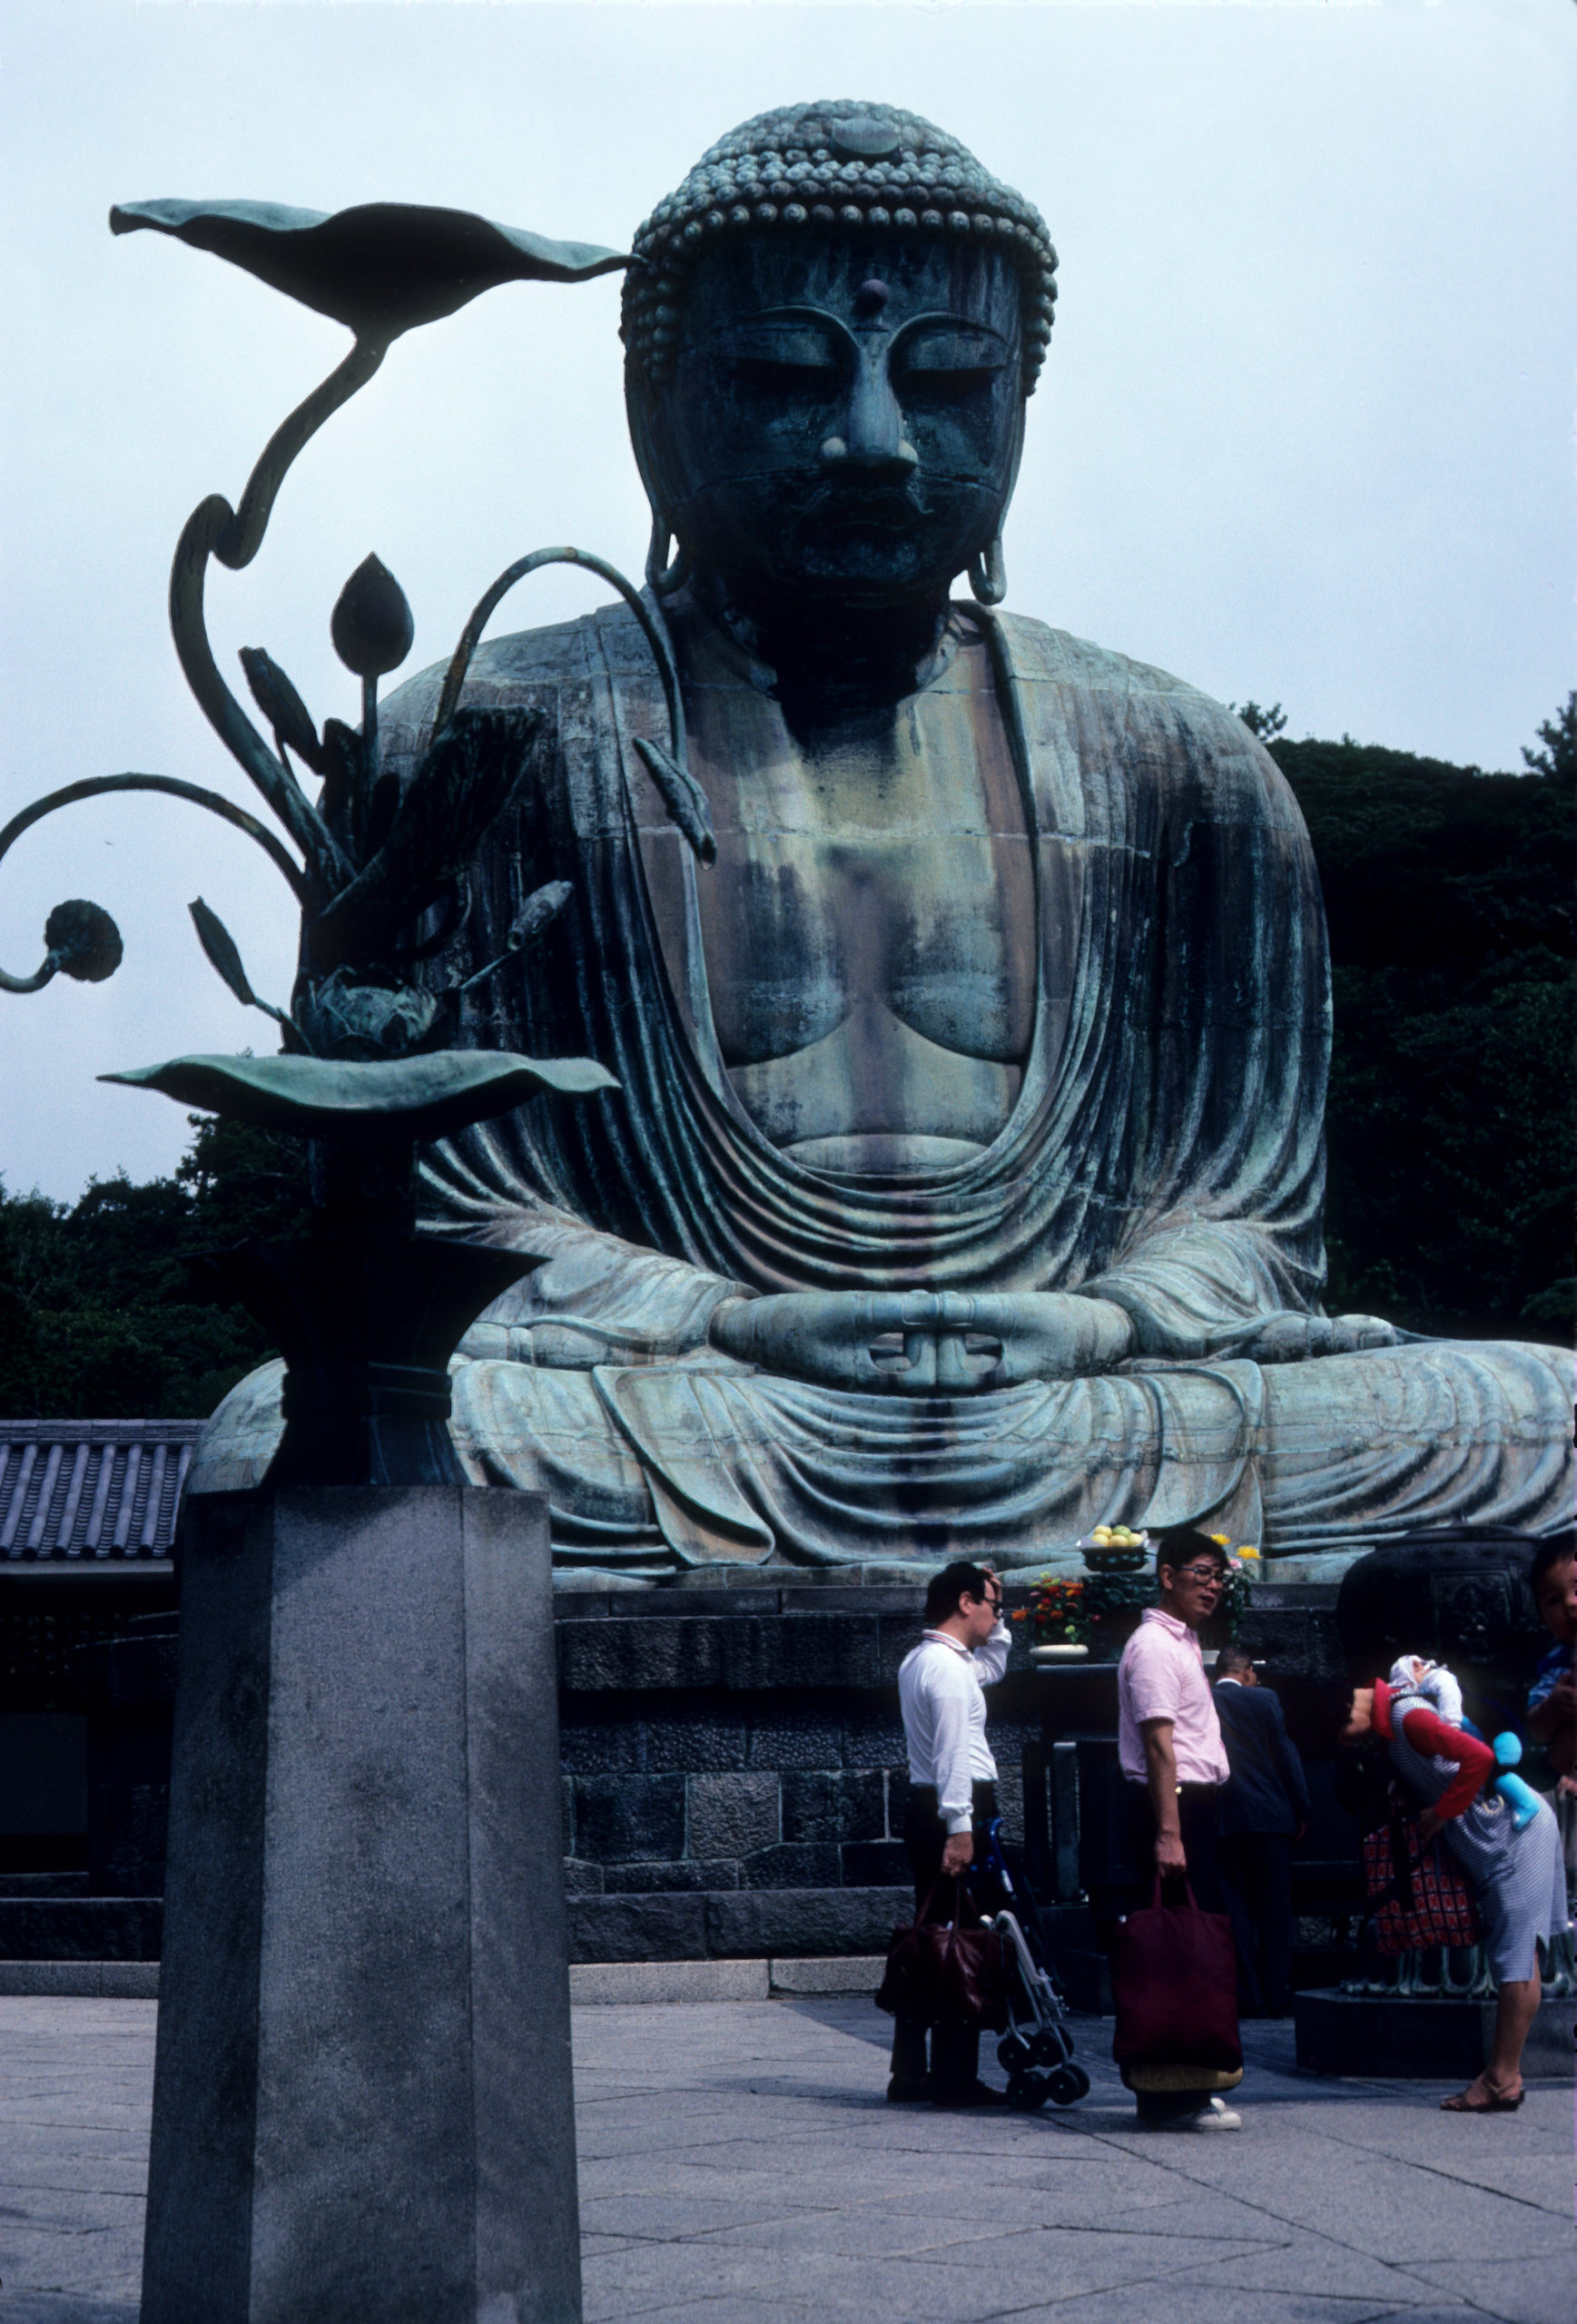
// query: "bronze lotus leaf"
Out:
[381,267]
[420,1097]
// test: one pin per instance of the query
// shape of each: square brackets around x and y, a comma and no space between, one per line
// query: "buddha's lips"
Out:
[850,506]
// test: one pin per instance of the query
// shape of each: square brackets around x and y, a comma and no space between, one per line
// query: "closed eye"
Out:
[785,376]
[949,358]
[943,386]
[790,353]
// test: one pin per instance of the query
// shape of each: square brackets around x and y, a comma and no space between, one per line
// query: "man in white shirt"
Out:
[953,1778]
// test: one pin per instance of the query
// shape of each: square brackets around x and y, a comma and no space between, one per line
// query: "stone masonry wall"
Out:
[732,1823]
[732,1770]
[734,1777]
[734,1774]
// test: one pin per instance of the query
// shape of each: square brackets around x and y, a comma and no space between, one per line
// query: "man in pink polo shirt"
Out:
[1169,1747]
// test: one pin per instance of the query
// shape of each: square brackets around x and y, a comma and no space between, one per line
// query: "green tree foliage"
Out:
[1267,723]
[1454,940]
[1558,759]
[97,1320]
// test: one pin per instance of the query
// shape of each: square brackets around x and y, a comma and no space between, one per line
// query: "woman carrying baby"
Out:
[1519,1887]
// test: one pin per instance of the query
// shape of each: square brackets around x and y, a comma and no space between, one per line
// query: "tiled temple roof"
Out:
[89,1490]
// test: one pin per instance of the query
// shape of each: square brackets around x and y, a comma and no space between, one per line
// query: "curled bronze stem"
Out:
[95,786]
[234,536]
[486,605]
[35,983]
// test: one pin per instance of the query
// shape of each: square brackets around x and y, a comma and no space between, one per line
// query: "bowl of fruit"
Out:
[1114,1549]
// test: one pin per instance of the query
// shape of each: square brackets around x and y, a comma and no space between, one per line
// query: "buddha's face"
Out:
[845,416]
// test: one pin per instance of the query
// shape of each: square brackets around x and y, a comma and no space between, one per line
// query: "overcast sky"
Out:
[1304,433]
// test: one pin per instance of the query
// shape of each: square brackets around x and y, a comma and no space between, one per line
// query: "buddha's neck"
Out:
[830,662]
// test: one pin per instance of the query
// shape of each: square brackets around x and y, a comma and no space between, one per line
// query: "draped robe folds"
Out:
[1164,1153]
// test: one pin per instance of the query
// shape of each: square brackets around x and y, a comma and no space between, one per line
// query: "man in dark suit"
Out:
[1264,1811]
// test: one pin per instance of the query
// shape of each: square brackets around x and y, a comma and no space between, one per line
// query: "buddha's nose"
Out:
[873,437]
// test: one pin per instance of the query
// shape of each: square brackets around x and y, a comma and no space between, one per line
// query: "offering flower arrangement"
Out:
[1243,1564]
[1078,1613]
[1056,1613]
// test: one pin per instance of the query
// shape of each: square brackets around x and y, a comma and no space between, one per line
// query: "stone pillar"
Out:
[363,2104]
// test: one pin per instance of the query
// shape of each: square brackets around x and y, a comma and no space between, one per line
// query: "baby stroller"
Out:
[1036,2053]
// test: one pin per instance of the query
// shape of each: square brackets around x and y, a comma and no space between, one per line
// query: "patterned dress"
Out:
[1518,1878]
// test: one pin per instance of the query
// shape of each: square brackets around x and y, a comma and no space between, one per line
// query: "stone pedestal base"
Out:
[1423,2041]
[362,2107]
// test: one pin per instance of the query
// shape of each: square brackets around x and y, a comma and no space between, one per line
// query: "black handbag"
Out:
[946,1972]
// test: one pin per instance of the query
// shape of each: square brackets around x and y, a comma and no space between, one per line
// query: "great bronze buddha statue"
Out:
[963,1187]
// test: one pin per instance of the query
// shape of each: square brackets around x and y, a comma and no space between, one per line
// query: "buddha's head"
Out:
[830,333]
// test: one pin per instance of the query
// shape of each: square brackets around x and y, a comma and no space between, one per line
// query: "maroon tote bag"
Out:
[946,1972]
[1174,1978]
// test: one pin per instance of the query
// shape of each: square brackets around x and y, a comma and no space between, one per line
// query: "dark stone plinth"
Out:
[746,1652]
[362,2102]
[721,1924]
[78,1928]
[788,1920]
[658,1925]
[1380,2039]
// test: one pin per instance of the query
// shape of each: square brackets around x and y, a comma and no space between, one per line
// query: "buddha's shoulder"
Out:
[522,669]
[1150,720]
[1039,653]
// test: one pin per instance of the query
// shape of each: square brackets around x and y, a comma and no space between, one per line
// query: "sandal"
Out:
[1463,2104]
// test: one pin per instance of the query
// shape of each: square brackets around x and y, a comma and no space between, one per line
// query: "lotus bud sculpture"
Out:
[367,1310]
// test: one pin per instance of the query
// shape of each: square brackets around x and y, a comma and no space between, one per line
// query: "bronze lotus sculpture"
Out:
[367,1310]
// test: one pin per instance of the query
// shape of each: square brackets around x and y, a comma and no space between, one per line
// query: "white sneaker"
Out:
[1214,2116]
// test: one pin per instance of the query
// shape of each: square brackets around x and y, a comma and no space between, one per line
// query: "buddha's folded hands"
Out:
[923,1343]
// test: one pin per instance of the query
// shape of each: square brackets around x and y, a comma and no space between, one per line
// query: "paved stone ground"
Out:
[738,2166]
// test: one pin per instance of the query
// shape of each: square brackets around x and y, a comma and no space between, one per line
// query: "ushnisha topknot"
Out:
[835,162]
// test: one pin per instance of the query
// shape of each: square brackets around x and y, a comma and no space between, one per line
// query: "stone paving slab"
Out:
[739,2165]
[616,1981]
[753,1979]
[100,1980]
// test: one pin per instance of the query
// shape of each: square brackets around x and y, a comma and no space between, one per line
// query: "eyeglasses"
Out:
[1199,1574]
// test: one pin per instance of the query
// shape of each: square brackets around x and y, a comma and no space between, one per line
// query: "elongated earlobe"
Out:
[664,578]
[989,576]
